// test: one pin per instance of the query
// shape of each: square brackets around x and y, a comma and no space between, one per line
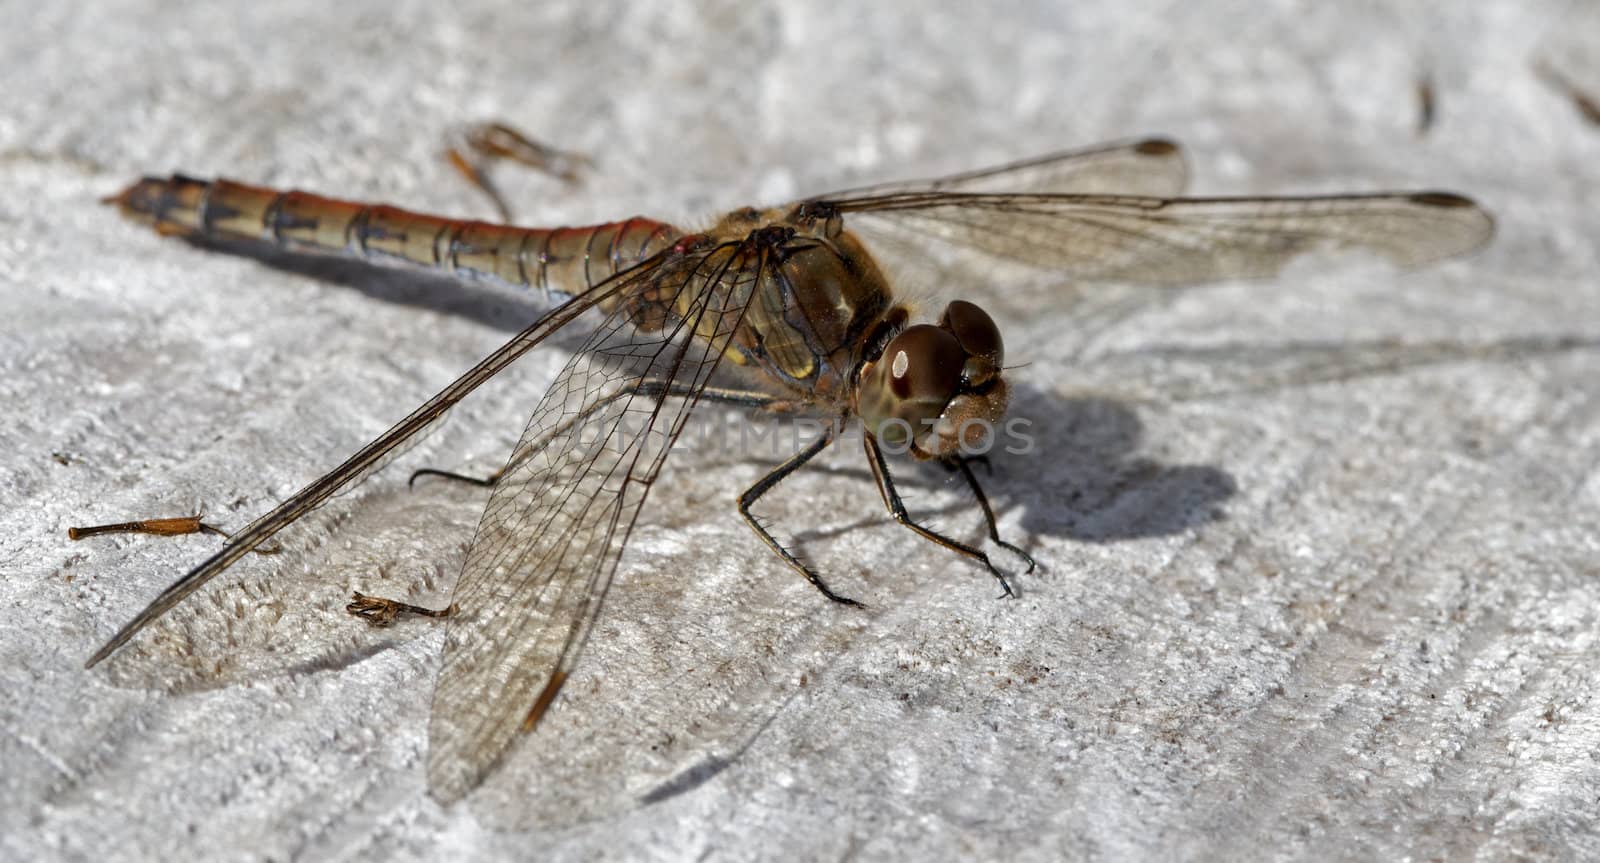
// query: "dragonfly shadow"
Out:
[479,302]
[1078,475]
[1081,475]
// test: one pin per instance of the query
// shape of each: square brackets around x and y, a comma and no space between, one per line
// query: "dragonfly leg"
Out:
[764,485]
[649,387]
[980,458]
[178,526]
[377,611]
[472,148]
[963,465]
[484,481]
[897,508]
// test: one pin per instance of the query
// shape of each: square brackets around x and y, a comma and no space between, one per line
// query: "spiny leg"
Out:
[765,484]
[486,142]
[897,508]
[177,526]
[651,388]
[960,463]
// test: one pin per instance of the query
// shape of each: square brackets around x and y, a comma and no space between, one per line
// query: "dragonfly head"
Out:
[937,389]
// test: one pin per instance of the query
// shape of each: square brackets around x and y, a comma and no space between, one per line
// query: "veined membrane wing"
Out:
[359,466]
[559,516]
[1169,240]
[1151,167]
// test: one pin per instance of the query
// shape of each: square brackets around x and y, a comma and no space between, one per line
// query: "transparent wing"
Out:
[556,523]
[1171,240]
[374,454]
[1149,166]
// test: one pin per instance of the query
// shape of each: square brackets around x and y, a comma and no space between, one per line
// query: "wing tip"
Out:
[448,786]
[454,773]
[1157,146]
[1444,200]
[122,637]
[1460,207]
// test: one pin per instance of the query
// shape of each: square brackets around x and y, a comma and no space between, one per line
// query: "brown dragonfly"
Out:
[794,297]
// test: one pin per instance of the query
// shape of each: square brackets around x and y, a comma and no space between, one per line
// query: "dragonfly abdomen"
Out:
[563,260]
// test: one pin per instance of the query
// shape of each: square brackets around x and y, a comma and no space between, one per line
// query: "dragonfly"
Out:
[796,299]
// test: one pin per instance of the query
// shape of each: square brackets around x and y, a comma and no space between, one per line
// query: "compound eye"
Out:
[925,366]
[980,340]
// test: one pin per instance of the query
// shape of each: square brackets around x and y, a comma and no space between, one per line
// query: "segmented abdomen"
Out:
[565,260]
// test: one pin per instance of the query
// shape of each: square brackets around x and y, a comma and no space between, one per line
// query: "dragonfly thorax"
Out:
[937,390]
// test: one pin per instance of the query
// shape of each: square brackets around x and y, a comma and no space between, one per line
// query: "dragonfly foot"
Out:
[1019,553]
[842,600]
[1005,585]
